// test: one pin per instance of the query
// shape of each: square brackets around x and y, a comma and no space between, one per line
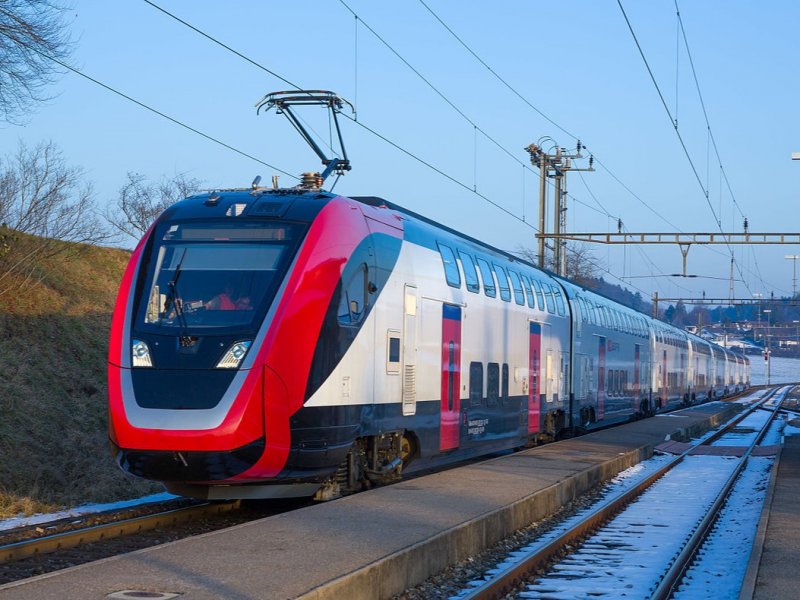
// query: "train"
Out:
[294,342]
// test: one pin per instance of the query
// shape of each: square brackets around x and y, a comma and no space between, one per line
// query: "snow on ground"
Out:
[718,570]
[626,557]
[82,510]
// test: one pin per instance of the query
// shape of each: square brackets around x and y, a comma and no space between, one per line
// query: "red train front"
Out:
[215,332]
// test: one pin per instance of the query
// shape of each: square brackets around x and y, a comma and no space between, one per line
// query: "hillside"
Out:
[53,345]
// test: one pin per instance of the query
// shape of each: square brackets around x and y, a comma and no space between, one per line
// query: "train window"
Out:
[504,385]
[488,280]
[475,383]
[353,302]
[451,272]
[548,296]
[470,274]
[527,285]
[502,283]
[516,284]
[492,384]
[393,351]
[562,310]
[539,296]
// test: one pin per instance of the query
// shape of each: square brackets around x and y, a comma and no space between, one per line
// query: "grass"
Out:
[53,425]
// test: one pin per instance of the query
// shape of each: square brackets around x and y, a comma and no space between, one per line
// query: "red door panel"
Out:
[601,377]
[449,424]
[534,371]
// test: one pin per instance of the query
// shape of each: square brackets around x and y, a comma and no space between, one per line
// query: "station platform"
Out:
[377,543]
[773,572]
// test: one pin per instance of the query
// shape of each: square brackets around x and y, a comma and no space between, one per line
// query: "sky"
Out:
[577,63]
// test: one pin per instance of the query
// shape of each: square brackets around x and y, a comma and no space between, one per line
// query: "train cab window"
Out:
[504,384]
[548,295]
[470,274]
[516,284]
[562,310]
[502,283]
[488,279]
[539,296]
[475,383]
[353,303]
[492,384]
[528,293]
[451,272]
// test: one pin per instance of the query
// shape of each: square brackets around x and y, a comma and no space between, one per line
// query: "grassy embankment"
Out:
[53,346]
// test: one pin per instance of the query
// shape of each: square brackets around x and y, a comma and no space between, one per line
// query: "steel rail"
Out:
[510,577]
[684,559]
[69,539]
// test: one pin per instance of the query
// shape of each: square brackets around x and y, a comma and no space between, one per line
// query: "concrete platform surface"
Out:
[779,569]
[377,543]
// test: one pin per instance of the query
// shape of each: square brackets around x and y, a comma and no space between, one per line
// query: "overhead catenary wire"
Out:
[382,137]
[153,110]
[680,136]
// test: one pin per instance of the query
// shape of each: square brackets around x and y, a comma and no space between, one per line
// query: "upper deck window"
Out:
[451,272]
[488,280]
[502,282]
[559,301]
[470,274]
[527,285]
[548,296]
[516,284]
[539,296]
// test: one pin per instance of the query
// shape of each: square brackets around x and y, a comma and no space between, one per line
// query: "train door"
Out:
[664,390]
[410,351]
[601,377]
[637,353]
[534,373]
[449,428]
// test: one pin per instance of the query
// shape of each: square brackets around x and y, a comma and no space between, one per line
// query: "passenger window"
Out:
[451,272]
[353,303]
[502,282]
[548,295]
[504,384]
[492,384]
[488,280]
[470,274]
[516,284]
[559,301]
[527,285]
[393,351]
[539,297]
[475,383]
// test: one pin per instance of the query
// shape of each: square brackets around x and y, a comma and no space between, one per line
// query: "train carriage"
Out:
[292,342]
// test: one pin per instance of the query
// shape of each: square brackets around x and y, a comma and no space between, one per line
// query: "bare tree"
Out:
[32,34]
[582,267]
[43,204]
[139,202]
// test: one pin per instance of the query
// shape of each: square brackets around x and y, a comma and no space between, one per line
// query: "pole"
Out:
[557,213]
[542,203]
[562,266]
[655,305]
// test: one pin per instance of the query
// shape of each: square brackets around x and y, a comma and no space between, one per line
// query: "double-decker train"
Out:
[271,343]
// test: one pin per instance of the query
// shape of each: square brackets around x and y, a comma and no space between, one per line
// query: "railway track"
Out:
[45,544]
[559,559]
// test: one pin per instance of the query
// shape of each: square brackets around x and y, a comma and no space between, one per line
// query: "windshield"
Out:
[211,275]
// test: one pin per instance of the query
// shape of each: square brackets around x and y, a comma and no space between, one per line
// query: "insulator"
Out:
[311,180]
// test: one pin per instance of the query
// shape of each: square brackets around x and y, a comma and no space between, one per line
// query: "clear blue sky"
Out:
[576,62]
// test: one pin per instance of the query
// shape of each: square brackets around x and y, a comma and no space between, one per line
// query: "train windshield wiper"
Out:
[173,296]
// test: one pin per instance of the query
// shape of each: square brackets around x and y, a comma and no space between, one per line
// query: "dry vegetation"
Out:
[53,346]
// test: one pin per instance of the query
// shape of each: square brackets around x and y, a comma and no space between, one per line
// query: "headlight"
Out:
[234,355]
[140,354]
